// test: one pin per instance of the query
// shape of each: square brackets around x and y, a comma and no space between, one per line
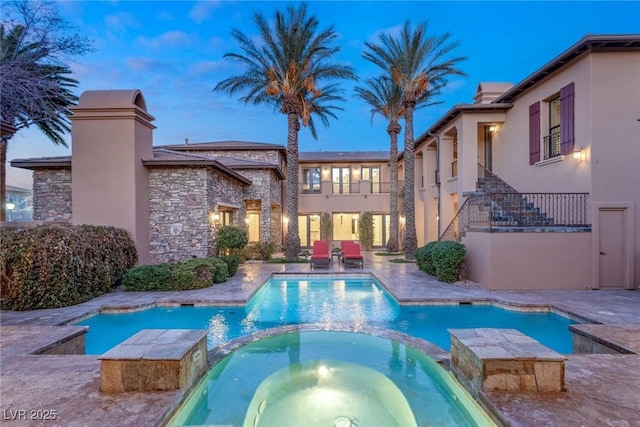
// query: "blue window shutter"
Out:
[534,133]
[567,127]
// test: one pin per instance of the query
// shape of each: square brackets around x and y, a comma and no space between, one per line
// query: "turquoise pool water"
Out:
[328,378]
[355,301]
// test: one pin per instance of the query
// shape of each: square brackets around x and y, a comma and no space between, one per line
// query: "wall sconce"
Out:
[216,217]
[365,196]
[246,220]
[326,196]
[402,219]
[285,220]
[10,205]
[578,153]
[493,128]
[325,172]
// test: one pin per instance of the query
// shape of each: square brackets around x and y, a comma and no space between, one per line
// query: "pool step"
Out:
[491,359]
[155,359]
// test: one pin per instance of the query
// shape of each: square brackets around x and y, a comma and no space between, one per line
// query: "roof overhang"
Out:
[195,162]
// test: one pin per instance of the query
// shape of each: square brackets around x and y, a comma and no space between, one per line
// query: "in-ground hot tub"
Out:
[329,378]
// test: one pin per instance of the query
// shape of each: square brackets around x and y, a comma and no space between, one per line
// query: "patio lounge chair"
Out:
[320,256]
[351,254]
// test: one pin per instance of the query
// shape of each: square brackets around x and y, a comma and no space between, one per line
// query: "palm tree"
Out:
[35,91]
[286,68]
[418,64]
[385,99]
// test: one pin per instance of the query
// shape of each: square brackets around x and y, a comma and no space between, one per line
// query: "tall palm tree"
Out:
[286,67]
[35,91]
[385,99]
[417,63]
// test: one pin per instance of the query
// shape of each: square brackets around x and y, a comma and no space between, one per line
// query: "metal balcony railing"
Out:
[518,210]
[552,144]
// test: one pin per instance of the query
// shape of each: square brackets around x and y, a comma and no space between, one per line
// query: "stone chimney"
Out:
[487,92]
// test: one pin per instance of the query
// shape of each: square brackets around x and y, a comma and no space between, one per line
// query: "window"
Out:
[311,180]
[372,173]
[552,140]
[253,226]
[341,178]
[560,140]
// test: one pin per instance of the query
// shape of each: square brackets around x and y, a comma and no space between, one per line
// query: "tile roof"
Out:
[343,156]
[225,146]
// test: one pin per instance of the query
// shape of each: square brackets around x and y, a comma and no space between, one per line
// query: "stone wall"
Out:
[274,157]
[52,194]
[179,226]
[265,192]
[223,189]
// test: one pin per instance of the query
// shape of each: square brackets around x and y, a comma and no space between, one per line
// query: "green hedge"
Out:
[424,258]
[57,266]
[233,262]
[193,274]
[443,259]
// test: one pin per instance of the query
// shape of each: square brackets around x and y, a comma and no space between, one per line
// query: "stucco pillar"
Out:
[431,197]
[111,134]
[468,155]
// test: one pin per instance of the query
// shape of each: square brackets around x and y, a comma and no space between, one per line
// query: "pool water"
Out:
[357,302]
[328,378]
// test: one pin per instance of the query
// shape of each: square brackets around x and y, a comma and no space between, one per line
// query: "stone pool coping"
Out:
[599,387]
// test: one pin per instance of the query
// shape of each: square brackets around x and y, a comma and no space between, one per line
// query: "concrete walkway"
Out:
[602,389]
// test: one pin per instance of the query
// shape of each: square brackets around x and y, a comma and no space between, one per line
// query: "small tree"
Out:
[37,45]
[231,240]
[365,230]
[326,227]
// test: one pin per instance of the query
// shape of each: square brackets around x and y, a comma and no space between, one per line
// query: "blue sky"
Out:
[172,51]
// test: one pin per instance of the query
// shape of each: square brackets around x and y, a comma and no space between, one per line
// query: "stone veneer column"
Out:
[111,134]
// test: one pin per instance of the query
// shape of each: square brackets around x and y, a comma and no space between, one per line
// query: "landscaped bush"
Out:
[443,259]
[233,262]
[57,266]
[192,274]
[424,258]
[260,250]
[231,240]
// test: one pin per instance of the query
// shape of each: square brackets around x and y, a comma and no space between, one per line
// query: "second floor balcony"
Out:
[350,188]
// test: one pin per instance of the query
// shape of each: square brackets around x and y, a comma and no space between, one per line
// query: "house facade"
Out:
[539,180]
[171,199]
[343,185]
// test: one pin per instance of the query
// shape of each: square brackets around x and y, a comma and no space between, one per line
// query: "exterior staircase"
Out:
[495,205]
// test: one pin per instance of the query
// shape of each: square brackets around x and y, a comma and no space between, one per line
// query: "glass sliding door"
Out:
[345,226]
[341,180]
[308,229]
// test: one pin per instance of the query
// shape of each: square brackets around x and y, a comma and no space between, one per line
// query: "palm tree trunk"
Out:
[410,237]
[292,242]
[3,178]
[392,243]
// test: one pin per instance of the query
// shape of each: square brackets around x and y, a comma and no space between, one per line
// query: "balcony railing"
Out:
[305,188]
[552,144]
[346,188]
[519,210]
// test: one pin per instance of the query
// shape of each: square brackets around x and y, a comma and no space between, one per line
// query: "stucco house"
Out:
[540,179]
[344,185]
[171,199]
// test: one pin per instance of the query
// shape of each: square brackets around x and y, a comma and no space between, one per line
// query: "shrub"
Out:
[443,259]
[57,266]
[424,258]
[233,262]
[365,230]
[192,274]
[231,240]
[260,250]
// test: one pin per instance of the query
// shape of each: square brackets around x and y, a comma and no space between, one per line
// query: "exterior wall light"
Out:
[402,219]
[246,220]
[216,217]
[493,128]
[285,220]
[10,205]
[578,153]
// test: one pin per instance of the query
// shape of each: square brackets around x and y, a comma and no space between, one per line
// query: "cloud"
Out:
[205,67]
[142,64]
[174,38]
[122,21]
[203,10]
[392,31]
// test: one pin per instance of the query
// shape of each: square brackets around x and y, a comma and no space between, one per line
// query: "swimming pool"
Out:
[357,302]
[329,378]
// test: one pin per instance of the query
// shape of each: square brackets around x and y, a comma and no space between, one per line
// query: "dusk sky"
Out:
[172,51]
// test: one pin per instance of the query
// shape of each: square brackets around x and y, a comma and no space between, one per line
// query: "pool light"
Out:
[323,371]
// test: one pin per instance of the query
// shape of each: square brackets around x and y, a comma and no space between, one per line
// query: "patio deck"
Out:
[602,389]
